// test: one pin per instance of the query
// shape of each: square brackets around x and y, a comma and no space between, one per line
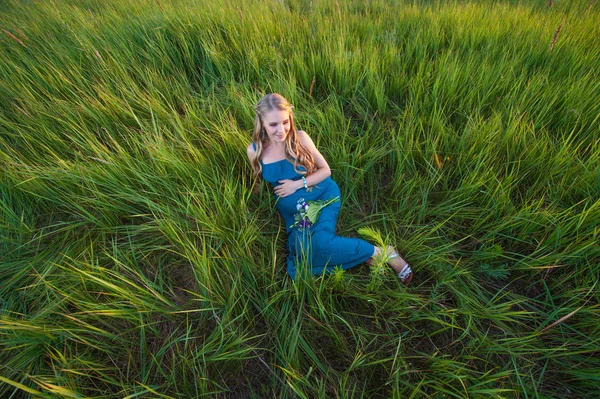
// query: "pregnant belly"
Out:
[325,190]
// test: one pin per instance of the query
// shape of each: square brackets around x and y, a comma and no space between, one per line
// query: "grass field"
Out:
[136,262]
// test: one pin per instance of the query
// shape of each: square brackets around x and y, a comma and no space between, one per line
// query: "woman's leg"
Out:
[399,265]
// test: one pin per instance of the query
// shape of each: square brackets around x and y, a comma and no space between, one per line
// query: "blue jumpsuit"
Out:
[316,249]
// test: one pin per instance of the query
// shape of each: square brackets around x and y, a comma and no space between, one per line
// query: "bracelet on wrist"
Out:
[304,181]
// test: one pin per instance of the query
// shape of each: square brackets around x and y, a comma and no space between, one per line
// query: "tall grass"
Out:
[135,262]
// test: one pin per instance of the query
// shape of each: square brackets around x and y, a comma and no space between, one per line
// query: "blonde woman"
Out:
[288,159]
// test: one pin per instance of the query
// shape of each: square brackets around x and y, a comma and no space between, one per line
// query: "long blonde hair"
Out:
[295,152]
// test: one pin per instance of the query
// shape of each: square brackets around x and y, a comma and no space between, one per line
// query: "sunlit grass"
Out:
[136,262]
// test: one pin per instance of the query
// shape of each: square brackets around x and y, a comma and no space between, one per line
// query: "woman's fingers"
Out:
[282,190]
[279,191]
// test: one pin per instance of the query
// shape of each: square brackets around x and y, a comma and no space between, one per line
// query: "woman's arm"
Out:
[323,171]
[251,156]
[251,153]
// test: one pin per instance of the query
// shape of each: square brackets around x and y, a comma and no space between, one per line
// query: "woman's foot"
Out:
[399,265]
[401,268]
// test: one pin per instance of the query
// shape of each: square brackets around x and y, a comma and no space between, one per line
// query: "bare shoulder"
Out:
[305,138]
[250,151]
[310,146]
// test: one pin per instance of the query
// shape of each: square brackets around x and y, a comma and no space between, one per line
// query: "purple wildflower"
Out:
[304,223]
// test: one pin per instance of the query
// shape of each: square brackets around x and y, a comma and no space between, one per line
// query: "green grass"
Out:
[136,262]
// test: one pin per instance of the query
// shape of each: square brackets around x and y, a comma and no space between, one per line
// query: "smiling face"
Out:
[277,125]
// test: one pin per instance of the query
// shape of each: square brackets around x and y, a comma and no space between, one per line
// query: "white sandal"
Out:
[406,273]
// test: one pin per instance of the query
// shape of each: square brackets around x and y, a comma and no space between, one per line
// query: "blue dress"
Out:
[316,249]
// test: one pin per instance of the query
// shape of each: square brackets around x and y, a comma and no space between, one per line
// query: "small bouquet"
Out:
[309,211]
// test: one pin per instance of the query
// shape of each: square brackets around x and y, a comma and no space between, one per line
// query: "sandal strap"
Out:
[405,272]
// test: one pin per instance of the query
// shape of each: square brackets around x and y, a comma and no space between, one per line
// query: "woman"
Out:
[288,159]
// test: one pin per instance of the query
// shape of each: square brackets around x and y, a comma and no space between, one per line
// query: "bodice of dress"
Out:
[280,170]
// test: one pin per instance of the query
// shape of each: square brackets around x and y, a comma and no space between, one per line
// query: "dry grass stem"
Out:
[14,38]
[555,39]
[561,320]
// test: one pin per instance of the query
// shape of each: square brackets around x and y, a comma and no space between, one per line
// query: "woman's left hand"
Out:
[288,187]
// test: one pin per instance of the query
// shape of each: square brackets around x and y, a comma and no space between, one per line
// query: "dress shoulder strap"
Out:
[254,145]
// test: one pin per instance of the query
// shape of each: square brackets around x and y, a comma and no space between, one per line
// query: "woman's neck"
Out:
[276,146]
